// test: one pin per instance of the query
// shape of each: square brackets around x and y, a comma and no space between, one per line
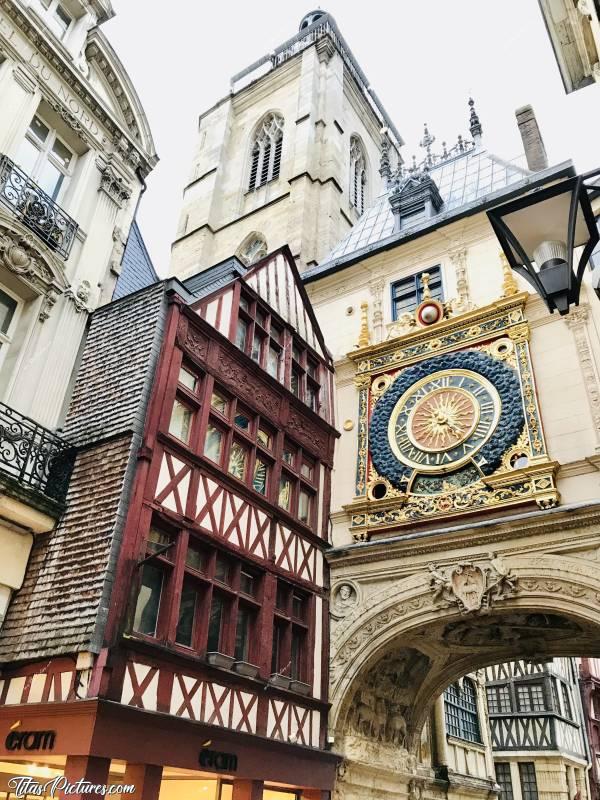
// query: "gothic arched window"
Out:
[265,160]
[252,249]
[462,716]
[358,175]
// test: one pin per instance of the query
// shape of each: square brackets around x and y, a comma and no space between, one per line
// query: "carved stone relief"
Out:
[470,586]
[381,704]
[80,296]
[345,599]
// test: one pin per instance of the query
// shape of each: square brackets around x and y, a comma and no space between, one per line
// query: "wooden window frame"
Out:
[285,620]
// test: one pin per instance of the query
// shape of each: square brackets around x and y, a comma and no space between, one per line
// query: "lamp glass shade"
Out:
[546,220]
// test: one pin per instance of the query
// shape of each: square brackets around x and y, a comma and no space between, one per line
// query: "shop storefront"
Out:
[150,756]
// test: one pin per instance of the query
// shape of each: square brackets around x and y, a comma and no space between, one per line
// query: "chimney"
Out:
[533,143]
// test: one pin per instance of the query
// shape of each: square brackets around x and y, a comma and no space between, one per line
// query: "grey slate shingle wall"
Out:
[137,269]
[55,611]
[112,389]
[63,604]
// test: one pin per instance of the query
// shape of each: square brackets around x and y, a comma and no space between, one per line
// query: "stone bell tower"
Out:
[290,156]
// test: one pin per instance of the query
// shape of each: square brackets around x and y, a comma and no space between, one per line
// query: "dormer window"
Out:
[265,161]
[358,175]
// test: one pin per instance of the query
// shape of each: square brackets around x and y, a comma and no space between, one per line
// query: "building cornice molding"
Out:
[33,32]
[483,533]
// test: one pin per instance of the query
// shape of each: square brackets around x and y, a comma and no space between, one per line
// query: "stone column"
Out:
[146,778]
[85,768]
[551,779]
[441,743]
[247,790]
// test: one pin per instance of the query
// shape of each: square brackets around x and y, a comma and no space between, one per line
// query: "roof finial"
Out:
[385,168]
[474,123]
[363,336]
[426,143]
[509,284]
[425,278]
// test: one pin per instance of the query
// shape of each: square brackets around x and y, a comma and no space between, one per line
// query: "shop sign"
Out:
[30,740]
[222,762]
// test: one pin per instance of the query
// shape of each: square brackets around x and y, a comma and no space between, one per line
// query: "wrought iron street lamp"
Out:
[540,232]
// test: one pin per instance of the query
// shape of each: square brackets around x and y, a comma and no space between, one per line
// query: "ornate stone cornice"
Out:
[20,255]
[81,88]
[532,525]
[112,184]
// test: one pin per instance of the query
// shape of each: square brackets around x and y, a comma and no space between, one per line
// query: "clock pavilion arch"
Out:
[465,499]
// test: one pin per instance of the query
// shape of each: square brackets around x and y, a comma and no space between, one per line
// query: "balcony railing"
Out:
[34,456]
[36,209]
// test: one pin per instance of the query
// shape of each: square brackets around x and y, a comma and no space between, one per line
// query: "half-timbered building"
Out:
[174,633]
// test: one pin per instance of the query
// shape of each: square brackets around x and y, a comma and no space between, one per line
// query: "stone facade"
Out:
[74,150]
[314,86]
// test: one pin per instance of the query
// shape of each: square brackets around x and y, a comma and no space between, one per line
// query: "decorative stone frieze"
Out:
[576,321]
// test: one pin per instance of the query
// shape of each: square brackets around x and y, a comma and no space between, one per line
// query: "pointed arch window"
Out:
[462,716]
[358,175]
[265,161]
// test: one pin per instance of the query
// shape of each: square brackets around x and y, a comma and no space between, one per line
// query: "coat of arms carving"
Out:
[470,586]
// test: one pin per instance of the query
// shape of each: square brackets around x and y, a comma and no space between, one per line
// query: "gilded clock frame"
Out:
[487,329]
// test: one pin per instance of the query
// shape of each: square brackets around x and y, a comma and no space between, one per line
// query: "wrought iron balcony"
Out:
[36,209]
[34,456]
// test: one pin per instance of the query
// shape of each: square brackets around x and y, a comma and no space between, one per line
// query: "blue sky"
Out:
[422,58]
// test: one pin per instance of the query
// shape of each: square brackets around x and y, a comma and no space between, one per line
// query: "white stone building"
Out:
[75,149]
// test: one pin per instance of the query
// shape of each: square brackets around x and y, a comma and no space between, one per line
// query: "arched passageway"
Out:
[400,639]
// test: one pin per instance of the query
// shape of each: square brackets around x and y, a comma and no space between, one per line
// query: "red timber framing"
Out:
[217,626]
[231,536]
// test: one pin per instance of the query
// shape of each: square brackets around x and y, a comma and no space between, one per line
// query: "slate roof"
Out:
[63,603]
[467,183]
[56,610]
[209,280]
[114,376]
[137,270]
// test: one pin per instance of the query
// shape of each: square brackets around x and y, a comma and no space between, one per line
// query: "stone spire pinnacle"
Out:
[474,124]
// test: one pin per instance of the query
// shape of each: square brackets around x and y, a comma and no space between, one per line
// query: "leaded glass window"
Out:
[504,780]
[529,789]
[462,717]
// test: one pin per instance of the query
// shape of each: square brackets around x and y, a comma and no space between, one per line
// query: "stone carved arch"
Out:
[559,596]
[22,254]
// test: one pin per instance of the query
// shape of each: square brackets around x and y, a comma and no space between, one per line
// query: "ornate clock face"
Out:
[442,421]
